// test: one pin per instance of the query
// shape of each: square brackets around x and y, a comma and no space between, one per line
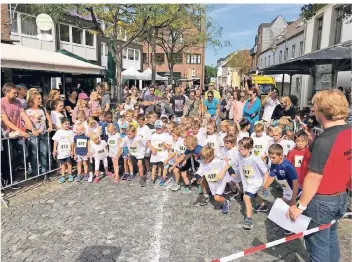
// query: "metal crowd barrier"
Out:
[11,182]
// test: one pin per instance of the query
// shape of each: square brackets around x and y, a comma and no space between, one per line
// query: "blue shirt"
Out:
[254,109]
[195,152]
[103,126]
[284,171]
[211,106]
[125,148]
[81,144]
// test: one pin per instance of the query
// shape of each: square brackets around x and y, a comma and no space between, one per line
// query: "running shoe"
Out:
[203,200]
[78,178]
[186,190]
[162,182]
[62,180]
[142,181]
[130,177]
[90,179]
[96,179]
[287,232]
[70,178]
[248,224]
[226,207]
[260,208]
[176,187]
[125,176]
[85,177]
[227,190]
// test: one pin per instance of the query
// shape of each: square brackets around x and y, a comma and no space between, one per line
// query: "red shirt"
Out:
[295,156]
[13,111]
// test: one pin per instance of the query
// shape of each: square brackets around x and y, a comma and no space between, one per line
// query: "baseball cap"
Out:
[83,96]
[158,124]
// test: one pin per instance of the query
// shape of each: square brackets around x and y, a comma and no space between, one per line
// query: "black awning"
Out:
[339,56]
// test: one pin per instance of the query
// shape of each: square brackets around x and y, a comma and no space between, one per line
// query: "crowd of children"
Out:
[189,151]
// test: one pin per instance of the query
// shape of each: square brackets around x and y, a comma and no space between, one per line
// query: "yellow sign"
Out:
[259,79]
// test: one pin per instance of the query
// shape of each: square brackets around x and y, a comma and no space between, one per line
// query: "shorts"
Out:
[81,158]
[112,155]
[158,164]
[66,160]
[218,188]
[125,156]
[188,166]
[252,190]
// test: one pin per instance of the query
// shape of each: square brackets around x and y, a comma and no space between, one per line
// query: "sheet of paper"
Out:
[278,216]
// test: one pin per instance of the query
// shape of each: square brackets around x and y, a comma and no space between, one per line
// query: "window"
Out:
[89,38]
[265,61]
[301,48]
[130,54]
[136,55]
[338,26]
[293,51]
[77,35]
[14,25]
[286,54]
[269,60]
[319,32]
[193,59]
[159,58]
[145,58]
[261,62]
[280,56]
[64,33]
[178,58]
[104,49]
[274,59]
[124,53]
[28,25]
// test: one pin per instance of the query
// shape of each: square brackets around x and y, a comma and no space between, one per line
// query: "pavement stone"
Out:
[81,222]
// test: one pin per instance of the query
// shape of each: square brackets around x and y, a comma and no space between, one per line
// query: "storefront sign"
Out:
[44,22]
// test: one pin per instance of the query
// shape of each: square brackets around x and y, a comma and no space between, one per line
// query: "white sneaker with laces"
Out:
[90,179]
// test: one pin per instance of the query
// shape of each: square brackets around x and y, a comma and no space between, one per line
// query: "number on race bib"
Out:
[100,152]
[298,161]
[81,142]
[112,142]
[248,172]
[133,149]
[212,145]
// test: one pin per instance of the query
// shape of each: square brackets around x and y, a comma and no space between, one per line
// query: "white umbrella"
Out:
[131,73]
[147,75]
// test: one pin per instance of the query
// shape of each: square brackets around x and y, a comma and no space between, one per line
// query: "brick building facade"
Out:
[5,27]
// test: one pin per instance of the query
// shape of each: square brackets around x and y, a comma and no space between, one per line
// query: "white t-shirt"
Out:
[252,170]
[211,170]
[287,145]
[261,145]
[179,146]
[136,146]
[144,132]
[222,135]
[241,135]
[113,143]
[233,156]
[64,139]
[269,108]
[56,118]
[158,141]
[99,151]
[215,142]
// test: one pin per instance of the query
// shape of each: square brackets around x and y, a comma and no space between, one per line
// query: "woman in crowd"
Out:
[239,105]
[38,145]
[212,106]
[285,108]
[54,95]
[82,104]
[70,104]
[269,103]
[251,109]
[192,106]
[134,95]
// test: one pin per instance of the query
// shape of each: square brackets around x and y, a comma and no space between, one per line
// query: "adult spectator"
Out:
[38,145]
[178,102]
[231,105]
[70,104]
[251,109]
[168,93]
[215,92]
[54,95]
[327,165]
[225,104]
[192,106]
[12,113]
[269,103]
[103,90]
[212,106]
[134,95]
[285,108]
[22,95]
[150,100]
[126,90]
[82,104]
[183,93]
[239,105]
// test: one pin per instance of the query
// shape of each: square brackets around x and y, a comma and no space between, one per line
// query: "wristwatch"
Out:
[301,206]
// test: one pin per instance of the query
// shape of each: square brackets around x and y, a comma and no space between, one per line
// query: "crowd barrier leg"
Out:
[10,162]
[24,161]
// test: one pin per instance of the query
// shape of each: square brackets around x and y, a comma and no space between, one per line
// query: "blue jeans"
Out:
[40,144]
[324,245]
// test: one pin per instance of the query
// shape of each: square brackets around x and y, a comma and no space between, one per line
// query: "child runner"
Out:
[223,128]
[213,139]
[57,114]
[63,145]
[129,118]
[81,151]
[145,133]
[103,125]
[127,165]
[244,128]
[99,151]
[261,141]
[231,157]
[252,170]
[81,118]
[232,129]
[114,139]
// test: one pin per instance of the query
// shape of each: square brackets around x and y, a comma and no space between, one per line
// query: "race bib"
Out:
[248,172]
[133,149]
[182,149]
[257,149]
[65,147]
[213,177]
[81,143]
[298,161]
[101,152]
[211,144]
[112,142]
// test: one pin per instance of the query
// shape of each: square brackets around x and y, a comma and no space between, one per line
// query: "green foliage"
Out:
[209,71]
[240,60]
[310,10]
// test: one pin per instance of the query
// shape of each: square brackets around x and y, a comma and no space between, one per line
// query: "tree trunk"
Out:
[153,56]
[118,89]
[171,68]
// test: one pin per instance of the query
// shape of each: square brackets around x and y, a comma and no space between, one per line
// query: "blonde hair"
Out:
[277,129]
[332,104]
[235,127]
[52,93]
[91,120]
[225,123]
[31,97]
[259,127]
[111,125]
[79,103]
[78,125]
[287,101]
[131,129]
[33,89]
[177,131]
[190,141]
[206,153]
[129,112]
[94,135]
[94,93]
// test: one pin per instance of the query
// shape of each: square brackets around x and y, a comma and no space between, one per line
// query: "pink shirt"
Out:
[239,109]
[13,112]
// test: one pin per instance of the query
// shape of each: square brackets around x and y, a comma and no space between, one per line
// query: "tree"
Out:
[310,10]
[241,61]
[209,72]
[112,22]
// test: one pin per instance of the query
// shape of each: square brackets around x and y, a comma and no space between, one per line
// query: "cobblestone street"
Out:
[123,222]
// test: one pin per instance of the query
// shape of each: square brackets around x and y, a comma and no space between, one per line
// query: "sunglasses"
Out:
[210,96]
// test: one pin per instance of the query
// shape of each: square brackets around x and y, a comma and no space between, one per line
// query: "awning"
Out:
[147,75]
[339,56]
[21,57]
[131,73]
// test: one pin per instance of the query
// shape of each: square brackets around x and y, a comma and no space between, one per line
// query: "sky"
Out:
[240,24]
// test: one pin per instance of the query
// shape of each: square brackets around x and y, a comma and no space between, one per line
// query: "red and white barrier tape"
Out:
[276,242]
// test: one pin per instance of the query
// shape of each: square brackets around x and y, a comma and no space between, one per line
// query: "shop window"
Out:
[77,35]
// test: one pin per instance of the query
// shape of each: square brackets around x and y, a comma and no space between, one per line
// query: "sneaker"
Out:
[200,190]
[153,181]
[70,178]
[142,181]
[227,190]
[185,190]
[226,207]
[248,224]
[130,177]
[260,208]
[62,180]
[176,187]
[78,178]
[110,174]
[287,232]
[85,177]
[96,179]
[125,176]
[162,182]
[90,179]
[235,194]
[203,200]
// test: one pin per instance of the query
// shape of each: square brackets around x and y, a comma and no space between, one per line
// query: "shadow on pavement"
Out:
[99,253]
